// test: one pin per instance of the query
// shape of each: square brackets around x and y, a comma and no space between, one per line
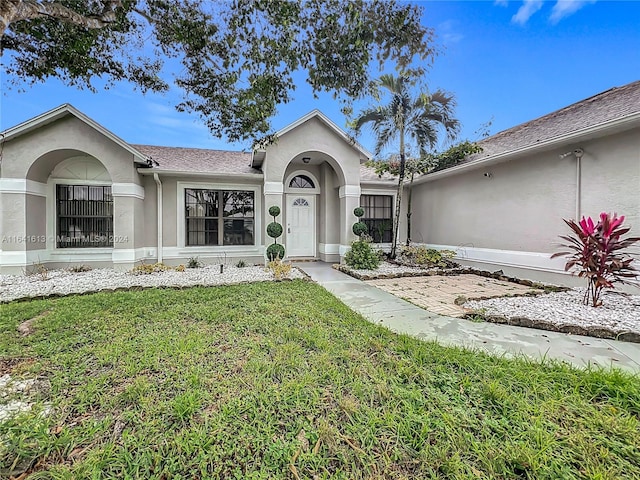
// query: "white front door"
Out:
[301,226]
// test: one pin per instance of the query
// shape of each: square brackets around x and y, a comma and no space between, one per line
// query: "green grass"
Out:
[281,380]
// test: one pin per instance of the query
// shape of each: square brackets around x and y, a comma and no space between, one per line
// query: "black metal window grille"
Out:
[219,217]
[84,216]
[378,216]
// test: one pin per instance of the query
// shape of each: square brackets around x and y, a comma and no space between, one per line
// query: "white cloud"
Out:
[448,32]
[526,10]
[564,8]
[501,3]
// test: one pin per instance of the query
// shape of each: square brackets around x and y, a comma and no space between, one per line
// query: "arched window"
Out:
[301,181]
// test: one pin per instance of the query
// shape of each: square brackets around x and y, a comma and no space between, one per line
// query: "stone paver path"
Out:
[383,308]
[438,294]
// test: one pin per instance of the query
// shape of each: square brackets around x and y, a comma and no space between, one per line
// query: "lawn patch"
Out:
[278,380]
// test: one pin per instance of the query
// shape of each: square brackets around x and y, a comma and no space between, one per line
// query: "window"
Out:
[301,181]
[84,216]
[378,216]
[300,202]
[219,217]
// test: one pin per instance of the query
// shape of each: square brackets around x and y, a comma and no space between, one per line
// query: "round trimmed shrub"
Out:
[274,251]
[360,228]
[274,229]
[358,212]
[274,211]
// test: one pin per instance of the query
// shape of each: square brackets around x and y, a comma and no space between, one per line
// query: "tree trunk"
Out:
[396,223]
[409,209]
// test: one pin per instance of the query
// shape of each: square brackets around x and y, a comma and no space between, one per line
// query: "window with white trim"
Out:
[84,216]
[301,181]
[378,216]
[219,217]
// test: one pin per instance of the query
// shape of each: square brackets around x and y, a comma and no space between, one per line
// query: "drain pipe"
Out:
[159,209]
[578,153]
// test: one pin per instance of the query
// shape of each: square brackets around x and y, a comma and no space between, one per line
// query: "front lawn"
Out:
[281,380]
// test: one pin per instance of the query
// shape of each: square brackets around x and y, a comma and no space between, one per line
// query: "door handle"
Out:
[288,229]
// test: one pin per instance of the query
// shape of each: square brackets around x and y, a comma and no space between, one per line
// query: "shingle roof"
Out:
[604,107]
[368,174]
[200,160]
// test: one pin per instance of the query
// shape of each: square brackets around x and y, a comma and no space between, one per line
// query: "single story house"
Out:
[71,192]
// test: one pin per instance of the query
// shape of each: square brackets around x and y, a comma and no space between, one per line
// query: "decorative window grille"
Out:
[301,181]
[84,216]
[300,202]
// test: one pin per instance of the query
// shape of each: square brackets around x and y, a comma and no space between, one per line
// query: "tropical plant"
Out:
[407,119]
[595,250]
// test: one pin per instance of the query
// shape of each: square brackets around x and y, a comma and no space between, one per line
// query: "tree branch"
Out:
[12,11]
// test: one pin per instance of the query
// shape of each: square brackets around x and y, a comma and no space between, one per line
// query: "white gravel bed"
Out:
[387,268]
[64,282]
[619,312]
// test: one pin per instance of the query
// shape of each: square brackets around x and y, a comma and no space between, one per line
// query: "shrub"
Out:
[179,268]
[360,228]
[362,256]
[274,229]
[274,211]
[358,212]
[427,257]
[80,268]
[596,252]
[279,269]
[193,262]
[241,264]
[149,268]
[275,251]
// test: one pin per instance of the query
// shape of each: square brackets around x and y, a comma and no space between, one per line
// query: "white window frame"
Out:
[389,193]
[302,191]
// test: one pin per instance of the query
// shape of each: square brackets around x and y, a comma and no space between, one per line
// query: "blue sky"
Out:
[506,61]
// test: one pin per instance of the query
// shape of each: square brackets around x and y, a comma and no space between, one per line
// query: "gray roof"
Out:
[604,107]
[198,160]
[368,174]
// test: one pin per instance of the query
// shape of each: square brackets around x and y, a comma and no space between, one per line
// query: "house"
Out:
[503,208]
[72,192]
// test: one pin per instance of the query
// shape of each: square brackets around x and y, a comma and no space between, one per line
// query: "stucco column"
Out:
[128,225]
[349,200]
[273,195]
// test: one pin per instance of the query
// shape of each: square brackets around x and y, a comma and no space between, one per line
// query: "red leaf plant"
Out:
[596,251]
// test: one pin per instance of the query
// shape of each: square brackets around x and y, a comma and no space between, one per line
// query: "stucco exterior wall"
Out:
[512,218]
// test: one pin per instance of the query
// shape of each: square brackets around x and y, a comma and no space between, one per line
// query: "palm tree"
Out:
[406,118]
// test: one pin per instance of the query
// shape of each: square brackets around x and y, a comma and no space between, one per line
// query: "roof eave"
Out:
[68,109]
[326,120]
[186,173]
[594,131]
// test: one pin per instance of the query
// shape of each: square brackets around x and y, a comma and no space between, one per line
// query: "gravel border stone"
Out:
[57,283]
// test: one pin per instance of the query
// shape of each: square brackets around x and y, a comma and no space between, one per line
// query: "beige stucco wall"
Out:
[65,150]
[521,206]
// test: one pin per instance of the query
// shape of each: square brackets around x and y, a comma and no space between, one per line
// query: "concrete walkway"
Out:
[401,316]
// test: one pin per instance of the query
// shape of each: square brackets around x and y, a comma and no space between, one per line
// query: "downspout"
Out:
[578,153]
[159,210]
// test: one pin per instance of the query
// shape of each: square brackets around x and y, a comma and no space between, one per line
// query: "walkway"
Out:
[401,316]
